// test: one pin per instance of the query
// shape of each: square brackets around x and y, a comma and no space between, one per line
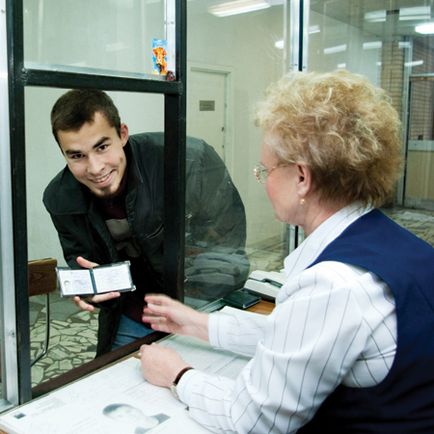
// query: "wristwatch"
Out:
[177,379]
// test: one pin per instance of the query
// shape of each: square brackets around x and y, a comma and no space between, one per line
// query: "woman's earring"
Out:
[302,201]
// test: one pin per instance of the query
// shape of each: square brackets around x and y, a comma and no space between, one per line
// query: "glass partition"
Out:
[385,41]
[231,59]
[114,37]
[127,48]
[73,332]
[419,179]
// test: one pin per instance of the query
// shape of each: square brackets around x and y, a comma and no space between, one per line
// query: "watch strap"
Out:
[180,374]
[177,379]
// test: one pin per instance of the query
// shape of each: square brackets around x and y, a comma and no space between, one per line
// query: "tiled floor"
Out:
[73,333]
[72,337]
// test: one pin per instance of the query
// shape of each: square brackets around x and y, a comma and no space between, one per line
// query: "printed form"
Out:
[117,399]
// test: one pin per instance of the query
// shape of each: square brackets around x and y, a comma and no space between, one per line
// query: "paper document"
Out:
[117,399]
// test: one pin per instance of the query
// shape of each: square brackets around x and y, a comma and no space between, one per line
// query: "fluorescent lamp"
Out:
[404,44]
[372,45]
[237,7]
[425,29]
[414,63]
[376,16]
[415,13]
[335,49]
[314,29]
[279,44]
[342,65]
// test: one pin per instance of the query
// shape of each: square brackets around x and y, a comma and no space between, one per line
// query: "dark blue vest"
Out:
[403,402]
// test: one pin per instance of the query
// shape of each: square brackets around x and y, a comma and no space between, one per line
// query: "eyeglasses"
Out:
[261,172]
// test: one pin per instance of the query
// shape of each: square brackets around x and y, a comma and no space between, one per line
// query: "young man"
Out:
[107,205]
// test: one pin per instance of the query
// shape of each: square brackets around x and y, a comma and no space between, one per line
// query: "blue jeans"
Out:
[129,331]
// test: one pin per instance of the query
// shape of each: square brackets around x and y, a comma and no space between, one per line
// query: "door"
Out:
[206,107]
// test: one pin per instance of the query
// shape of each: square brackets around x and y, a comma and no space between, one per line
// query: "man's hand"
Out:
[85,303]
[160,365]
[171,316]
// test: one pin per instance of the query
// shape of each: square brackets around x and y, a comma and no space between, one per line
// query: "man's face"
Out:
[95,155]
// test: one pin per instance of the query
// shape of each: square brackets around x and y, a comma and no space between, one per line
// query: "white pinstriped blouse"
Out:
[333,323]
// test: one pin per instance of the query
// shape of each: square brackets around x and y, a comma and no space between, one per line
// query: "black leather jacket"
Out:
[215,221]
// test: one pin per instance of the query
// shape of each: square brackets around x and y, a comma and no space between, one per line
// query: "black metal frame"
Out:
[174,162]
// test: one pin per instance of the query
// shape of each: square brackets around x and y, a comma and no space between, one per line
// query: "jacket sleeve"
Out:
[72,246]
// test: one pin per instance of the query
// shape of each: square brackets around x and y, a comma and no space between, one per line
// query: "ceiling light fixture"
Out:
[375,16]
[335,49]
[425,29]
[372,45]
[279,44]
[237,7]
[415,13]
[414,63]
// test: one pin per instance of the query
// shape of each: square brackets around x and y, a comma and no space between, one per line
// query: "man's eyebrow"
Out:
[72,152]
[98,143]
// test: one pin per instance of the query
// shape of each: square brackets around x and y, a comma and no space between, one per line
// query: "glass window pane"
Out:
[382,41]
[231,60]
[419,185]
[72,331]
[107,37]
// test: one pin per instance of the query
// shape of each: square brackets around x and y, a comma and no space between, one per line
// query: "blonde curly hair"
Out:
[341,126]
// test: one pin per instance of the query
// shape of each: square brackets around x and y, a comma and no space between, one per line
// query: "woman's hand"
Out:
[160,365]
[171,316]
[85,303]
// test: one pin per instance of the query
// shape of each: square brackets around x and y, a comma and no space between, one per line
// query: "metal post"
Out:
[15,50]
[174,167]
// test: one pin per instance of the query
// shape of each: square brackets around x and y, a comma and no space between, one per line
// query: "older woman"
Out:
[350,344]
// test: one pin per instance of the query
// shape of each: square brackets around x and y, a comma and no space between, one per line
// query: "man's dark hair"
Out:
[78,106]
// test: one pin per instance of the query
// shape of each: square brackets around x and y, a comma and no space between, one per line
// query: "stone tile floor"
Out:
[72,337]
[73,333]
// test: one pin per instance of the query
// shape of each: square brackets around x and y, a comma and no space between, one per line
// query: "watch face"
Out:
[174,391]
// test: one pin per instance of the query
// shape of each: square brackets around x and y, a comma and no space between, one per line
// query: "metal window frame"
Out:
[13,235]
[296,28]
[8,329]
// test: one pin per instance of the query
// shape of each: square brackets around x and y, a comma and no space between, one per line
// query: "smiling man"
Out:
[107,205]
[95,155]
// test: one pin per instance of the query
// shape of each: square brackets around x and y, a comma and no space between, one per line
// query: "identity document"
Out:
[91,281]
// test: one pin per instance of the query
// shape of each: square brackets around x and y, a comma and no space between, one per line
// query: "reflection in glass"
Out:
[419,185]
[231,60]
[216,262]
[382,41]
